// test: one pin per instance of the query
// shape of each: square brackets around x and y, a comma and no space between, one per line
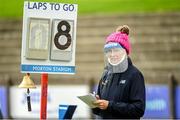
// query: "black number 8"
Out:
[65,33]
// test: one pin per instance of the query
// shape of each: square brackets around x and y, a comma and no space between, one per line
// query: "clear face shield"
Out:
[115,58]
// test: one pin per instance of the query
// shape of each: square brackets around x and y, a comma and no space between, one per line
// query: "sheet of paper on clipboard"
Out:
[89,100]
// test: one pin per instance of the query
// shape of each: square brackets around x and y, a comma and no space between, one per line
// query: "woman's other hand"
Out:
[102,104]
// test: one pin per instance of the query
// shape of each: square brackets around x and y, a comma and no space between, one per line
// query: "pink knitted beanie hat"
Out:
[121,37]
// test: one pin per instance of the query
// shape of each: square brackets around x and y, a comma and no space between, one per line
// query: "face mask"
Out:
[119,68]
[116,56]
[116,59]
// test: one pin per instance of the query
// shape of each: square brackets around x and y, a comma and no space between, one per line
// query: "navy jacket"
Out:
[125,93]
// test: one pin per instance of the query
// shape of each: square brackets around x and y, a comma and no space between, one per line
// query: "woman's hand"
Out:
[102,104]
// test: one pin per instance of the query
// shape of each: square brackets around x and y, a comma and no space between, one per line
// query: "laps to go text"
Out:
[51,6]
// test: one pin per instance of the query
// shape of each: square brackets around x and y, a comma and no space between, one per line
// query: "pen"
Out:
[94,93]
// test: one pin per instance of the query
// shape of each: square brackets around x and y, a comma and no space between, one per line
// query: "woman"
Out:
[121,90]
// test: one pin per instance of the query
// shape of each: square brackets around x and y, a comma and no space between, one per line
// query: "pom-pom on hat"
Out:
[121,37]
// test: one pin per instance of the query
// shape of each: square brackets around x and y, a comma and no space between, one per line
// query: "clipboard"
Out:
[89,100]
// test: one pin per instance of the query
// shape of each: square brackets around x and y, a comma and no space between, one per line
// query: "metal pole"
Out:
[172,85]
[44,88]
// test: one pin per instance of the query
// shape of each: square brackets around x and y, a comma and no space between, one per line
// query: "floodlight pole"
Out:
[44,89]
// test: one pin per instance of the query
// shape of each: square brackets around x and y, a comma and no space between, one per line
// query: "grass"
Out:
[14,8]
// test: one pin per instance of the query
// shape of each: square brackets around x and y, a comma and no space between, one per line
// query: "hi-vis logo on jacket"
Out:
[122,82]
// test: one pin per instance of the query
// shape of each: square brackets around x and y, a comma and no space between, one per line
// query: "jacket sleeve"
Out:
[135,108]
[97,110]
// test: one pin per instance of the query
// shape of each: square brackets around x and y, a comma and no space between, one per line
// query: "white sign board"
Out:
[57,95]
[49,38]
